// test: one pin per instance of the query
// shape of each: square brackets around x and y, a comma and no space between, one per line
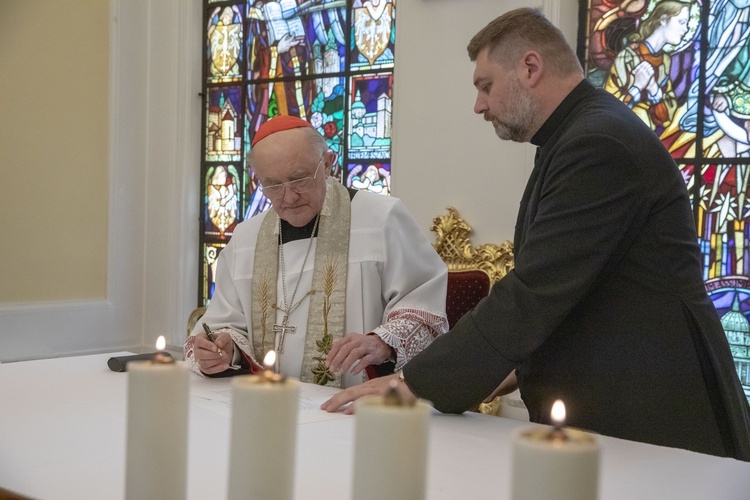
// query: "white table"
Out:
[62,436]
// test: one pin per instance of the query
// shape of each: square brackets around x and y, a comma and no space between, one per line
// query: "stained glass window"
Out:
[684,68]
[329,62]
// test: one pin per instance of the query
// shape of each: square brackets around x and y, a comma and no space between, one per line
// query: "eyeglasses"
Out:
[299,186]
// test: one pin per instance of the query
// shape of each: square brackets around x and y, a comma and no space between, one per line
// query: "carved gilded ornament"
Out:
[453,245]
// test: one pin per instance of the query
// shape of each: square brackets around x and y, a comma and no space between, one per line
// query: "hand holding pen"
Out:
[209,351]
[209,334]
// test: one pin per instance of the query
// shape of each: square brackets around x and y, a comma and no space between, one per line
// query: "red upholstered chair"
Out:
[471,270]
[465,289]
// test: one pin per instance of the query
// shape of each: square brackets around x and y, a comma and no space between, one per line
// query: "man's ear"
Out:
[329,160]
[532,68]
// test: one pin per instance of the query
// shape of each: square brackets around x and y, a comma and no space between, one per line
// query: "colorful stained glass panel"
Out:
[726,100]
[224,42]
[370,117]
[731,297]
[722,217]
[290,40]
[369,175]
[698,103]
[223,124]
[623,45]
[208,270]
[373,36]
[222,202]
[327,61]
[257,202]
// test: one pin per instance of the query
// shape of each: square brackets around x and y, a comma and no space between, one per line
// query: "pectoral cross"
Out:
[282,330]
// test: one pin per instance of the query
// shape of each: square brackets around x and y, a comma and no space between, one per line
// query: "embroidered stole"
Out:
[327,311]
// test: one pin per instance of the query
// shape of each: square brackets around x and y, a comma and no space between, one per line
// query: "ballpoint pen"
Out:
[208,334]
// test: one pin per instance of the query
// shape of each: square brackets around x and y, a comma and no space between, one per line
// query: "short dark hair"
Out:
[509,36]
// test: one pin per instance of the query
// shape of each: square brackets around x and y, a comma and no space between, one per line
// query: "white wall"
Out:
[153,167]
[443,154]
[31,329]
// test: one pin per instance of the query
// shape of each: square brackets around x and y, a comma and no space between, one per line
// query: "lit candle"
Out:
[559,463]
[264,434]
[390,455]
[156,460]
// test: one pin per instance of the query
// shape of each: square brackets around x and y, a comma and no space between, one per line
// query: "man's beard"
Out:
[518,122]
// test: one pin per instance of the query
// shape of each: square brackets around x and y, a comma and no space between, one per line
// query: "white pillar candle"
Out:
[156,457]
[390,456]
[263,436]
[556,462]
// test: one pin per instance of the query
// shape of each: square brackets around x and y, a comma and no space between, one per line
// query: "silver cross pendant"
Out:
[282,330]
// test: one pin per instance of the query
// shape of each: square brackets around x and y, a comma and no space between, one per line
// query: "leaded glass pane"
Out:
[327,61]
[722,216]
[723,235]
[373,35]
[726,100]
[645,63]
[210,253]
[731,297]
[223,132]
[222,188]
[370,116]
[688,175]
[369,175]
[258,203]
[224,44]
[290,40]
[697,100]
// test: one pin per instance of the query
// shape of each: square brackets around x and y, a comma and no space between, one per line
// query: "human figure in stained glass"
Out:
[370,178]
[640,75]
[222,199]
[727,75]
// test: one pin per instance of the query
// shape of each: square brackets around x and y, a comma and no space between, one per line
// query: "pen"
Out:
[208,334]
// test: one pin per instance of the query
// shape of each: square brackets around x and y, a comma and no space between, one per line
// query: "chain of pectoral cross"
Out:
[290,306]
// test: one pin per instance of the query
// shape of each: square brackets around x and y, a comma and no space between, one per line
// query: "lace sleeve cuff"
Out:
[410,330]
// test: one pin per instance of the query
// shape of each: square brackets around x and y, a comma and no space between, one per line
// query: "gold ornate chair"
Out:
[471,272]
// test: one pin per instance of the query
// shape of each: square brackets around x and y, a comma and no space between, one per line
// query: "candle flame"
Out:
[270,360]
[558,413]
[161,343]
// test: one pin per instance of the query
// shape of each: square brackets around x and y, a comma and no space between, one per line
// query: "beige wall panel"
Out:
[53,150]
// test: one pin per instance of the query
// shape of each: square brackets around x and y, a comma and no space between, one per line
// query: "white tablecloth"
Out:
[62,436]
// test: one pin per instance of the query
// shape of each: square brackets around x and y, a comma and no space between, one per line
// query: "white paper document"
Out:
[311,396]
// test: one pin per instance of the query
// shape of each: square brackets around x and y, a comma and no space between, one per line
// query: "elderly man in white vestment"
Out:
[341,283]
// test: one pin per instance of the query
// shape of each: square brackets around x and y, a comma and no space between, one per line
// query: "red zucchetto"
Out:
[277,124]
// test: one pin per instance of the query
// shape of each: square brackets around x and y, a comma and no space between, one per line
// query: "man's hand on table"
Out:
[353,347]
[377,386]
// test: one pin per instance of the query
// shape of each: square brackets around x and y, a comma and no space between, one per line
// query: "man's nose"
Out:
[290,195]
[480,105]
